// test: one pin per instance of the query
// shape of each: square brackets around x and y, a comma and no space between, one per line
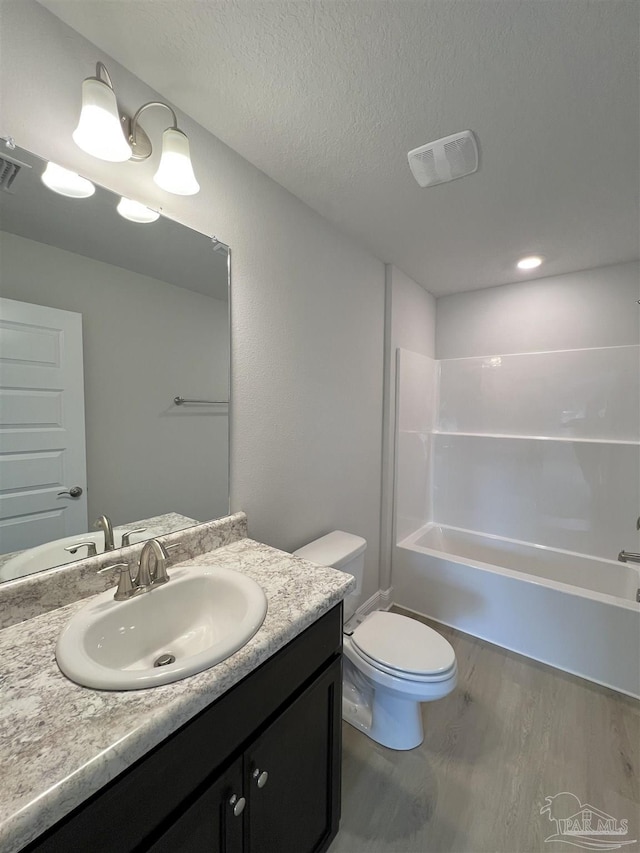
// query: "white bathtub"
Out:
[572,611]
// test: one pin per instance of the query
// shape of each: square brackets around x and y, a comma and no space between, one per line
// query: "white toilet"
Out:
[391,663]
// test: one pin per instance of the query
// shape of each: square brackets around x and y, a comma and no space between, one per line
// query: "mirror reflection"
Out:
[108,313]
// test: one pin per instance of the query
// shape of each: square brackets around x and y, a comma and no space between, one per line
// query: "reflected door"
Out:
[42,437]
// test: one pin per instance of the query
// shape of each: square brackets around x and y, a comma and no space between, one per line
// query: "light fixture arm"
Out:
[101,71]
[141,146]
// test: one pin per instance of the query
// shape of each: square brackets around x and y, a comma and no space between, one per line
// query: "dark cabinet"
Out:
[256,772]
[282,794]
[214,822]
[294,775]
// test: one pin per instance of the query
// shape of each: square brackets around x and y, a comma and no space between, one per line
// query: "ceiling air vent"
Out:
[445,159]
[9,170]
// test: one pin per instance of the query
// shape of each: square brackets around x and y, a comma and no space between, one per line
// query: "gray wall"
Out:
[592,308]
[144,341]
[410,323]
[307,303]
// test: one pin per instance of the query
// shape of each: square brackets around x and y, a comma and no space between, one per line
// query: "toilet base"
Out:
[392,722]
[385,707]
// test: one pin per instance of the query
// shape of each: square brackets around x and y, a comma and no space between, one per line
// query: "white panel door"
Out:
[42,439]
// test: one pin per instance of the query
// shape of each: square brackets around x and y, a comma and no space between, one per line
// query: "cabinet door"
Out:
[210,824]
[292,773]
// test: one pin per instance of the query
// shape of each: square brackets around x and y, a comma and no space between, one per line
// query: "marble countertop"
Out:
[60,743]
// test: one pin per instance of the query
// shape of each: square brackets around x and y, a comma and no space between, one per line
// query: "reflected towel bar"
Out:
[181,401]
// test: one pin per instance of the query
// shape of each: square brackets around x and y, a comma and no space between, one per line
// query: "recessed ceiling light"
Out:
[67,183]
[529,263]
[135,211]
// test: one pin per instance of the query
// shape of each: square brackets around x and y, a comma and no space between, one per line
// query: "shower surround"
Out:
[517,484]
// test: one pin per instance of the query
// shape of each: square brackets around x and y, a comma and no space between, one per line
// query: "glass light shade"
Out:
[67,183]
[135,211]
[529,263]
[99,131]
[175,172]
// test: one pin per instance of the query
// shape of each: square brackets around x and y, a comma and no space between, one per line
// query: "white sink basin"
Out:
[202,616]
[49,555]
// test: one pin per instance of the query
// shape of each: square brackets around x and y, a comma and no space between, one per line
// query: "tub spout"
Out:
[628,557]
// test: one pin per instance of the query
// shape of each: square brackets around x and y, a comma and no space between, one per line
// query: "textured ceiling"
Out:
[328,97]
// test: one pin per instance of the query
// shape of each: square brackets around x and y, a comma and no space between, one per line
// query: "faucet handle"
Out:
[161,575]
[125,588]
[126,536]
[90,546]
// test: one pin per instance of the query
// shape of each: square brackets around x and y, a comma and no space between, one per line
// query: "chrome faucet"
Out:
[628,557]
[152,568]
[104,523]
[152,571]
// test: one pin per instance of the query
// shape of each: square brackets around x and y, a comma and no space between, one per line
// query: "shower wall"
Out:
[543,447]
[410,320]
[416,401]
[540,446]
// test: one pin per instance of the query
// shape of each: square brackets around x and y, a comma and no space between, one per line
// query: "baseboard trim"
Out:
[380,600]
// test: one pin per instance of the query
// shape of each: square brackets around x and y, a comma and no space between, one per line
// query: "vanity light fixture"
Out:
[175,172]
[531,262]
[67,183]
[99,131]
[104,132]
[135,211]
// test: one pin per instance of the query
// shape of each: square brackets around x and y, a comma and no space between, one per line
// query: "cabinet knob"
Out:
[237,804]
[261,777]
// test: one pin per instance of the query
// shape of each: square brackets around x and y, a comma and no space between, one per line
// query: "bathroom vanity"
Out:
[259,770]
[244,756]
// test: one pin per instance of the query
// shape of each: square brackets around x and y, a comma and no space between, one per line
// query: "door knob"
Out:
[261,777]
[73,492]
[237,804]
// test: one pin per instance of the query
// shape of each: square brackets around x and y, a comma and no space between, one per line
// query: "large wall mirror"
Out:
[104,322]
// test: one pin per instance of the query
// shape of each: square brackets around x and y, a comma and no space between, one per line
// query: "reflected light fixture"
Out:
[531,262]
[104,132]
[67,183]
[135,211]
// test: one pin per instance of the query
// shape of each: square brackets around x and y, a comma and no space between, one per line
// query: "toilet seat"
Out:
[404,648]
[400,675]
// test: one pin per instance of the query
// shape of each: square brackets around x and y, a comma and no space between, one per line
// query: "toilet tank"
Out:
[342,551]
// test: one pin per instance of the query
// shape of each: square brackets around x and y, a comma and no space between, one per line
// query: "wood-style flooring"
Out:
[512,733]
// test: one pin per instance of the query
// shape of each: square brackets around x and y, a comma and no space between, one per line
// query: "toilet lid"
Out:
[403,644]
